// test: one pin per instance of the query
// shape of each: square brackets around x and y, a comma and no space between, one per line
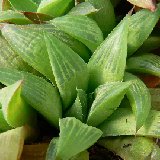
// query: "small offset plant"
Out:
[77,67]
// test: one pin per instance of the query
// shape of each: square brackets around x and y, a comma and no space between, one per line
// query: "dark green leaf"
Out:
[105,16]
[140,99]
[108,62]
[107,99]
[140,27]
[37,92]
[55,8]
[115,2]
[122,122]
[145,63]
[69,69]
[24,5]
[155,98]
[152,43]
[86,30]
[75,137]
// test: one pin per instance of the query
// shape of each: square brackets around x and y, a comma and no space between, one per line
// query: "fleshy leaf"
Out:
[145,63]
[74,44]
[77,135]
[140,29]
[5,5]
[30,46]
[86,30]
[69,69]
[79,109]
[12,141]
[55,8]
[84,8]
[37,1]
[155,98]
[149,4]
[13,17]
[107,99]
[152,43]
[81,156]
[105,16]
[131,148]
[37,92]
[15,110]
[24,5]
[10,59]
[4,126]
[108,62]
[115,2]
[122,122]
[140,99]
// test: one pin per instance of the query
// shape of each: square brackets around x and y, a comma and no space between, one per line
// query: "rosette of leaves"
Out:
[54,67]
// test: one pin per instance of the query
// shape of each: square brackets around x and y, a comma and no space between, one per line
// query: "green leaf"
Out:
[12,141]
[115,2]
[15,110]
[155,98]
[107,99]
[105,16]
[149,4]
[37,1]
[74,44]
[4,126]
[140,29]
[150,44]
[131,148]
[79,109]
[24,5]
[140,99]
[84,8]
[86,30]
[37,92]
[69,69]
[145,63]
[5,5]
[81,156]
[30,46]
[52,150]
[13,17]
[122,122]
[108,62]
[55,8]
[10,59]
[77,135]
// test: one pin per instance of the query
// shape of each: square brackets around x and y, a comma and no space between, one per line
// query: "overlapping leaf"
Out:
[152,43]
[37,92]
[13,17]
[25,5]
[15,110]
[108,62]
[86,30]
[84,8]
[5,5]
[155,98]
[55,8]
[122,122]
[105,17]
[132,148]
[145,63]
[79,109]
[140,99]
[107,99]
[140,27]
[77,136]
[69,69]
[30,45]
